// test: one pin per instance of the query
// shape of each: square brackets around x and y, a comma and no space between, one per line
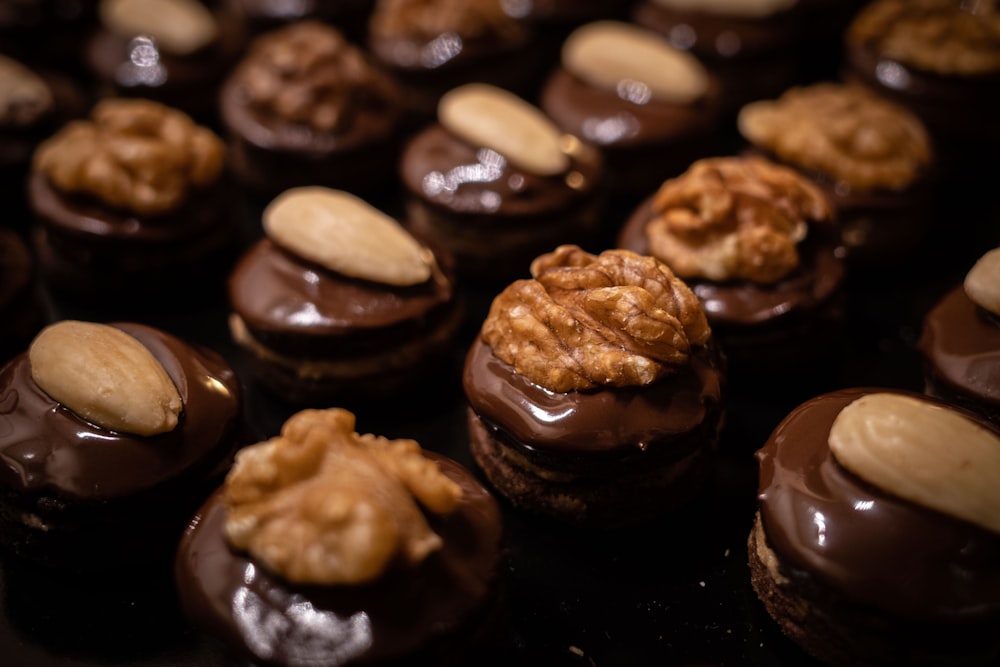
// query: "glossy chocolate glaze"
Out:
[642,144]
[404,614]
[874,548]
[614,424]
[949,105]
[439,168]
[296,307]
[47,450]
[735,305]
[103,238]
[960,343]
[187,82]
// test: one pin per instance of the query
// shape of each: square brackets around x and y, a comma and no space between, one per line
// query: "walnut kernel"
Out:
[617,319]
[734,219]
[428,19]
[24,96]
[136,155]
[322,504]
[941,36]
[843,131]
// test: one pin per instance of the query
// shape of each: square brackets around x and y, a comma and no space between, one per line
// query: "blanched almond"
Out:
[105,376]
[493,118]
[607,54]
[178,26]
[924,453]
[344,234]
[982,283]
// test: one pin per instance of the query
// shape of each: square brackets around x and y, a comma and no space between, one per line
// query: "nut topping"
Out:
[344,234]
[617,319]
[843,131]
[493,118]
[922,452]
[737,8]
[24,97]
[982,283]
[322,504]
[307,73]
[105,376]
[607,53]
[136,155]
[178,26]
[734,219]
[940,36]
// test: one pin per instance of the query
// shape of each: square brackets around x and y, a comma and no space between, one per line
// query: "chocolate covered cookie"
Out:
[339,302]
[877,541]
[110,436]
[329,547]
[595,389]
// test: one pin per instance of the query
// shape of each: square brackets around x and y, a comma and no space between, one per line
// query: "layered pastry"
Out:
[960,342]
[650,108]
[339,302]
[496,183]
[175,52]
[326,547]
[872,158]
[433,46]
[349,16]
[757,243]
[132,200]
[877,541]
[33,106]
[595,390]
[750,46]
[110,436]
[938,58]
[21,314]
[305,107]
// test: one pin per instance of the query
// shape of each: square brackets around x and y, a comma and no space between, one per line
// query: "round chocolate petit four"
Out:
[132,200]
[877,541]
[871,156]
[110,436]
[305,107]
[749,45]
[757,243]
[650,108]
[339,301]
[326,547]
[595,389]
[496,183]
[960,342]
[938,58]
[175,52]
[433,46]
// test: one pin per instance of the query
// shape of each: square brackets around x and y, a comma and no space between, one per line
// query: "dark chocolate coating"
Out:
[302,309]
[585,431]
[642,144]
[869,546]
[48,450]
[424,612]
[753,57]
[960,344]
[188,82]
[86,246]
[493,217]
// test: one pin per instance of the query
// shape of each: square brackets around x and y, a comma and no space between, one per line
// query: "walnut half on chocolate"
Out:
[322,504]
[616,319]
